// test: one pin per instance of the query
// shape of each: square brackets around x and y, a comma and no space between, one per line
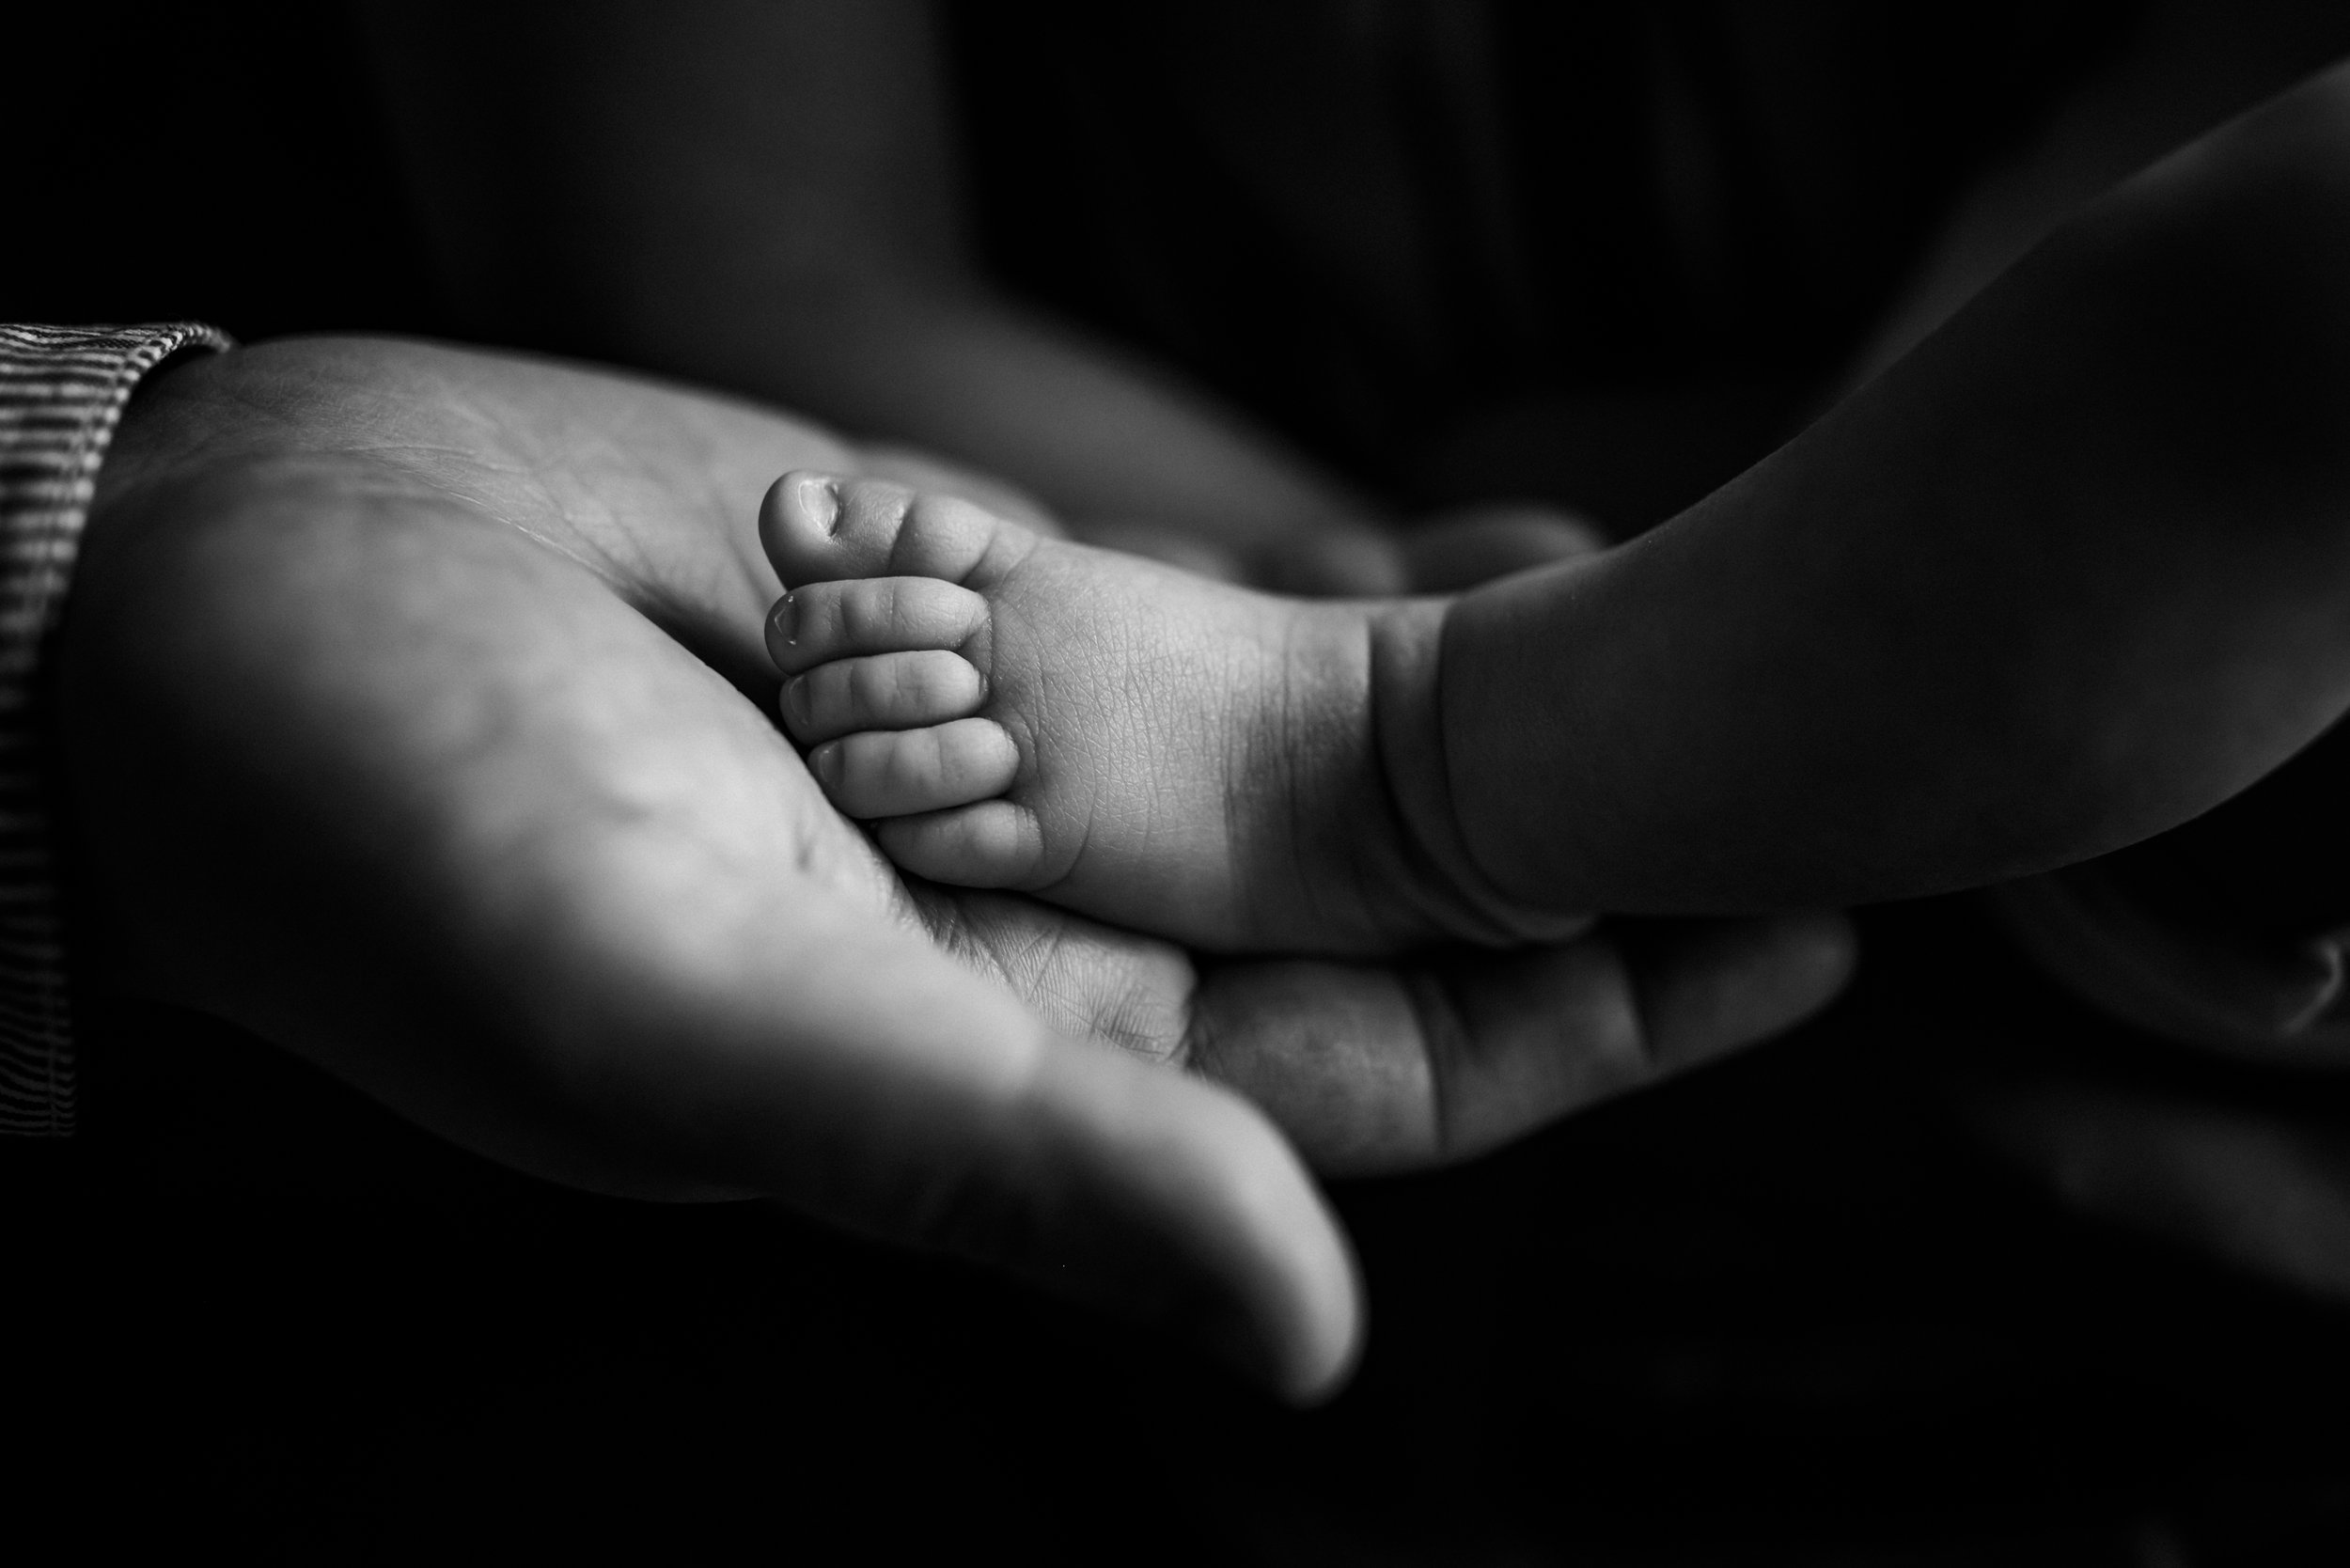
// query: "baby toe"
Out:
[800,527]
[824,621]
[888,691]
[816,526]
[946,535]
[991,844]
[895,773]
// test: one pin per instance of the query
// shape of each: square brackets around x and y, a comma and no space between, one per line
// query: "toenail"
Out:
[786,618]
[821,499]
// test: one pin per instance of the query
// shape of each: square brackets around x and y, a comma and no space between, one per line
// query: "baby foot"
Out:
[1154,749]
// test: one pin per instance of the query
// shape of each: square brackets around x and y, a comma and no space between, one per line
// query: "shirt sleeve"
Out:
[62,391]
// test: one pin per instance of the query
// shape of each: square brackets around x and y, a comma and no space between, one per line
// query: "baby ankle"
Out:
[1443,877]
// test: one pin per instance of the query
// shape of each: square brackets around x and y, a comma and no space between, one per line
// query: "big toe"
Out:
[817,528]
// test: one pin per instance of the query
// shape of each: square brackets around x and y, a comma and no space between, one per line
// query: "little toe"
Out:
[888,691]
[819,526]
[992,843]
[898,773]
[824,621]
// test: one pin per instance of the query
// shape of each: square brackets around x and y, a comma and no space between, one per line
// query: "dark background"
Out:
[1784,1312]
[1778,1313]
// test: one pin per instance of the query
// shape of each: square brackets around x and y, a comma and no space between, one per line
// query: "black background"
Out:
[1783,1313]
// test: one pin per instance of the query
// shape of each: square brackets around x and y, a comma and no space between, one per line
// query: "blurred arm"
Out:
[764,196]
[2193,64]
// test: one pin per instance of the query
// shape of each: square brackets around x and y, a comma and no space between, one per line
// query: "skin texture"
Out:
[2067,576]
[833,296]
[417,721]
[1131,742]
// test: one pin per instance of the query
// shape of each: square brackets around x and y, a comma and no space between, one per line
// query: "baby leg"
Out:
[2073,571]
[1130,740]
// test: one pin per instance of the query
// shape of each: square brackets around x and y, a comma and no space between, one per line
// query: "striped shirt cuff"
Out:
[62,391]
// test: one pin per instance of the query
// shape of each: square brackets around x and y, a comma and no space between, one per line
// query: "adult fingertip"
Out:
[1338,563]
[1317,1314]
[1297,1329]
[1725,986]
[1469,545]
[1328,1365]
[1302,1352]
[1822,950]
[1241,1254]
[1792,966]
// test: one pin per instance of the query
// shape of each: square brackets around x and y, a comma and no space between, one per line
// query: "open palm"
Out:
[418,719]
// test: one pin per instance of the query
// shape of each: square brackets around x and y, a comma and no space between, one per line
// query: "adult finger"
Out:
[391,786]
[927,471]
[1176,547]
[1470,545]
[1333,561]
[1384,1069]
[869,1080]
[2258,1190]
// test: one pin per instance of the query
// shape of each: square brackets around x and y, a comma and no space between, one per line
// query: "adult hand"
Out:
[2261,1187]
[1444,552]
[417,720]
